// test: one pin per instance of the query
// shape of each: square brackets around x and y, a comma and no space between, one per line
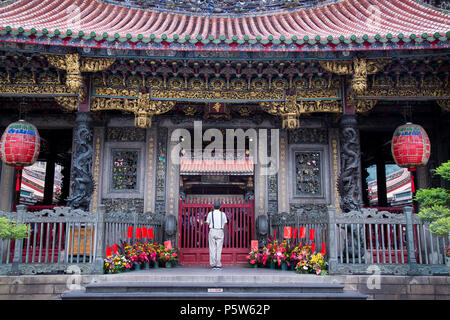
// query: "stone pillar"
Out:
[49,180]
[81,176]
[7,183]
[349,184]
[283,174]
[381,183]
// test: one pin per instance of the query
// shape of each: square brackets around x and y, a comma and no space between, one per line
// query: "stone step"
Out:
[272,295]
[194,287]
[211,291]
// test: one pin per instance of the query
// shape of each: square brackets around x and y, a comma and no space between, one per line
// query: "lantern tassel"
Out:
[411,170]
[18,180]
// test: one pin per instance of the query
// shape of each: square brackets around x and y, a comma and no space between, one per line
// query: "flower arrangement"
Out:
[168,255]
[254,257]
[447,251]
[116,264]
[281,254]
[301,257]
[310,262]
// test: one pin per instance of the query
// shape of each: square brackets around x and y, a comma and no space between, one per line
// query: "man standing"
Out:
[216,220]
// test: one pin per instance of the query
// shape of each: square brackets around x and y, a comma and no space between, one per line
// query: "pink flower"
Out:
[252,261]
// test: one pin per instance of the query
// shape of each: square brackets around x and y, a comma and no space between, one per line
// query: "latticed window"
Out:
[124,173]
[308,180]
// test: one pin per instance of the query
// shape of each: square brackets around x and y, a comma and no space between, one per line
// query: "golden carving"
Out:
[116,92]
[363,106]
[34,90]
[431,93]
[69,104]
[186,95]
[143,108]
[444,104]
[73,65]
[291,109]
[360,68]
[89,64]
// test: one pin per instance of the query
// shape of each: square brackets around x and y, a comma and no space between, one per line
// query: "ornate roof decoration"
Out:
[341,26]
[218,7]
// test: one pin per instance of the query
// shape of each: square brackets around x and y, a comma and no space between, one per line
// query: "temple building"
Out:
[267,106]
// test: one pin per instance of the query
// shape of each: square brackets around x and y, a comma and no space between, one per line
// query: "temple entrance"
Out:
[208,175]
[193,233]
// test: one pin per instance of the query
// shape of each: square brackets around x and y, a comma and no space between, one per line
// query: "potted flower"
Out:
[116,264]
[318,264]
[168,256]
[254,258]
[267,258]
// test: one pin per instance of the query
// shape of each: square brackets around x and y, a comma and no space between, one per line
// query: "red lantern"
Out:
[20,144]
[410,146]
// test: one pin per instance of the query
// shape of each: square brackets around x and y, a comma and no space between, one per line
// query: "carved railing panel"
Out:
[66,240]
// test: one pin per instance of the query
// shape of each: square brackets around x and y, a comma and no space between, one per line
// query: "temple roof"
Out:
[345,21]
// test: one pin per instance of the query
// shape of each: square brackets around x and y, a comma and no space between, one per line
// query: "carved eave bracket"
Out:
[74,65]
[143,108]
[363,105]
[359,68]
[444,104]
[291,109]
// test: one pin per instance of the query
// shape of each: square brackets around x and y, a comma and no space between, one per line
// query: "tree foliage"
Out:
[435,204]
[11,230]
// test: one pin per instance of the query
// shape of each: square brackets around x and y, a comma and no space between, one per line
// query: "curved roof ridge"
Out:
[366,19]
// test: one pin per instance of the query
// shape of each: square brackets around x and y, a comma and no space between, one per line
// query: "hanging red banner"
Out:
[115,249]
[138,233]
[295,233]
[302,234]
[287,234]
[324,248]
[108,252]
[313,247]
[144,233]
[130,232]
[150,233]
[311,234]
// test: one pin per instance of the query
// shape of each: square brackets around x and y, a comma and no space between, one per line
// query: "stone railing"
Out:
[67,240]
[369,241]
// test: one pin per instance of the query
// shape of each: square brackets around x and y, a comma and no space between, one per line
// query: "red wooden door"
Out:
[193,232]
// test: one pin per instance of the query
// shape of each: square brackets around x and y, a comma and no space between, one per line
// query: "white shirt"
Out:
[216,219]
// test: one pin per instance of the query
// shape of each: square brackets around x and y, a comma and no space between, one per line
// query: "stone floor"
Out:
[375,286]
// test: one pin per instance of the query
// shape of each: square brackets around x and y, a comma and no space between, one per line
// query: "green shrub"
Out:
[11,230]
[435,204]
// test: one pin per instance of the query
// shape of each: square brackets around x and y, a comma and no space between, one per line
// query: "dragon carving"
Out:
[83,182]
[349,180]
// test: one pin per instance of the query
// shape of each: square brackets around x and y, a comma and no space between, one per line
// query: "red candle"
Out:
[138,233]
[313,247]
[302,233]
[311,234]
[144,233]
[115,249]
[295,233]
[130,232]
[108,252]
[324,248]
[150,233]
